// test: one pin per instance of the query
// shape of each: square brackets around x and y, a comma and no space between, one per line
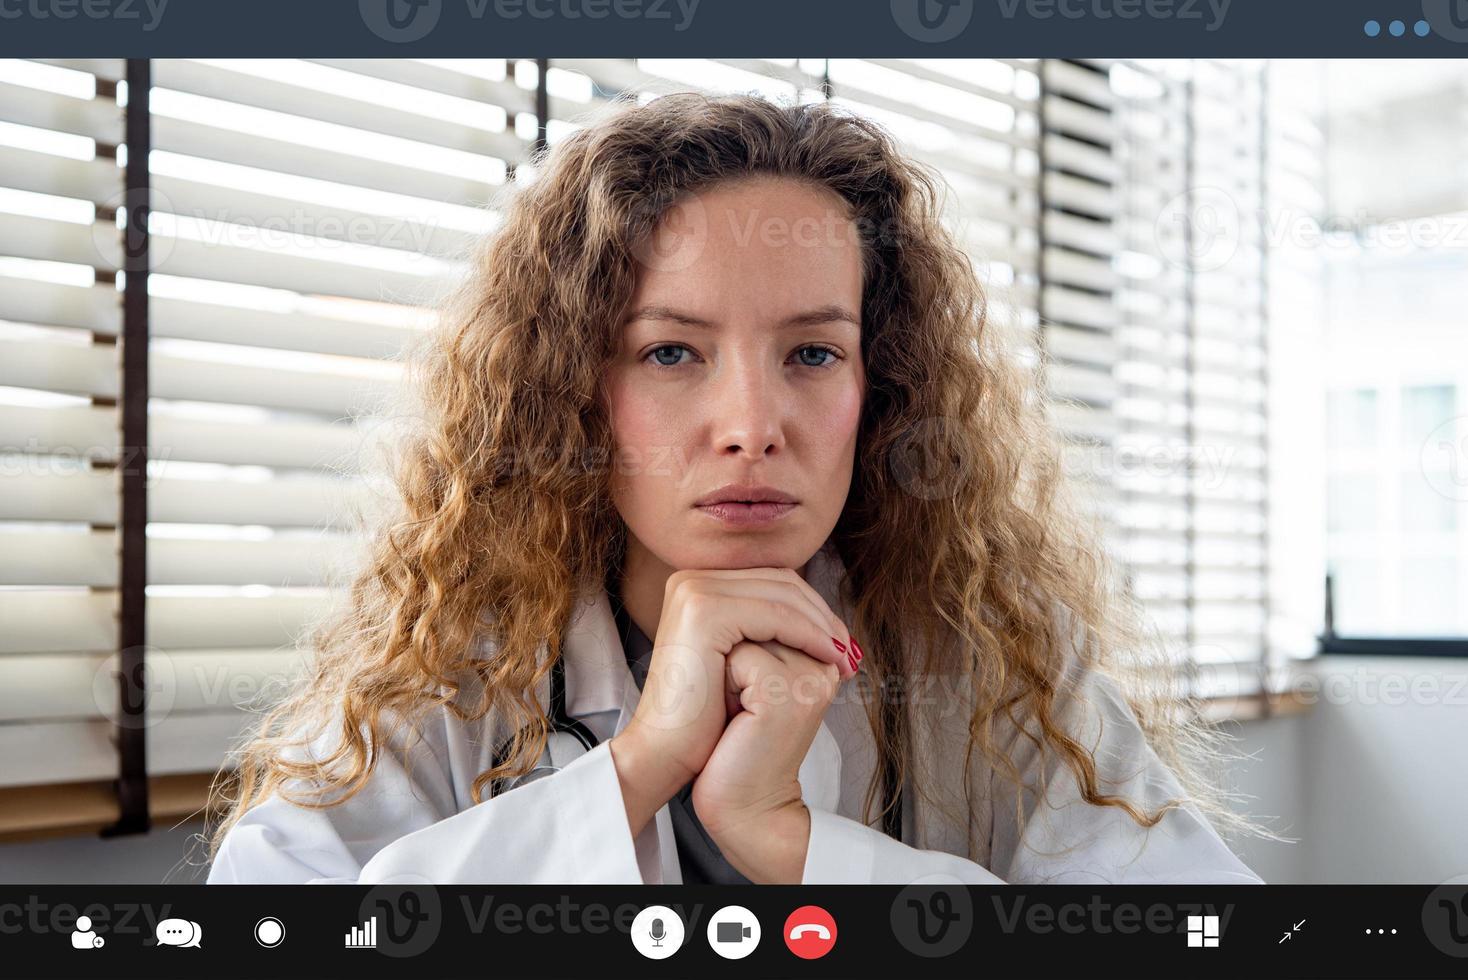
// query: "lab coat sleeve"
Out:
[843,851]
[406,824]
[1062,839]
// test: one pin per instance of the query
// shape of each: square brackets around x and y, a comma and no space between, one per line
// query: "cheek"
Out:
[642,423]
[833,422]
[647,437]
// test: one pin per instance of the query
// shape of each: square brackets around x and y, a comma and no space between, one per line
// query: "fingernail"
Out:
[857,647]
[839,645]
[852,661]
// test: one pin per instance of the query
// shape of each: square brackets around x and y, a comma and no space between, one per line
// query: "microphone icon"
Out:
[656,932]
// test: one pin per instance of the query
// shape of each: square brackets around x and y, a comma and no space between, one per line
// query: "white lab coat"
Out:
[415,820]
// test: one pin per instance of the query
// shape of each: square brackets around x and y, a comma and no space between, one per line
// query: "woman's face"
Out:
[740,363]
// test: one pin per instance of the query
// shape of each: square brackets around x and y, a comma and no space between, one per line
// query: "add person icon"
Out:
[84,937]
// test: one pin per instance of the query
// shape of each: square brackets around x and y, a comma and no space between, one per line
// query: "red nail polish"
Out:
[839,645]
[852,661]
[857,647]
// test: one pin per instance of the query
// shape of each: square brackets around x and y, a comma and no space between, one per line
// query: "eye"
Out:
[819,349]
[667,355]
[657,351]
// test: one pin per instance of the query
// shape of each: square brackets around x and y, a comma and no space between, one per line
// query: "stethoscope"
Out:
[570,738]
[566,733]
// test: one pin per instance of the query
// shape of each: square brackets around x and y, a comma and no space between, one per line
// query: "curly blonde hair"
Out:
[964,582]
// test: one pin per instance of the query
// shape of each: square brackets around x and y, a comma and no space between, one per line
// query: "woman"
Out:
[723,467]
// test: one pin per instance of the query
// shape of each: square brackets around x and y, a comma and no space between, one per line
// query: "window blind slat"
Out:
[63,557]
[47,240]
[409,172]
[276,442]
[70,751]
[93,307]
[45,493]
[360,111]
[55,687]
[236,254]
[41,492]
[94,180]
[97,118]
[414,225]
[289,328]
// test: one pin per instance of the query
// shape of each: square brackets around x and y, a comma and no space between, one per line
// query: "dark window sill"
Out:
[1395,646]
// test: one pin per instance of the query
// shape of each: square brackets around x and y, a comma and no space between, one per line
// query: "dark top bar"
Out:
[736,28]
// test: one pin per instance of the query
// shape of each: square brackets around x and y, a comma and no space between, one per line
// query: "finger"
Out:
[761,609]
[789,575]
[784,577]
[842,631]
[745,668]
[774,670]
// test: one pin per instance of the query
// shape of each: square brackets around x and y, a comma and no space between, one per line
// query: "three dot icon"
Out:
[1381,932]
[1397,28]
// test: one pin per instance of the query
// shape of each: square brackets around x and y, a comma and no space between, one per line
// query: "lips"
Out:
[735,514]
[745,494]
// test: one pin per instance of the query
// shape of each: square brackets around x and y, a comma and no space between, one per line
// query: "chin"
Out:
[749,550]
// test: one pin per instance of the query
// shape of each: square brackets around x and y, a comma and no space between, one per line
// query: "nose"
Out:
[745,408]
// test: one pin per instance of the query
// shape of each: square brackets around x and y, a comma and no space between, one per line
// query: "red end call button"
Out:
[810,932]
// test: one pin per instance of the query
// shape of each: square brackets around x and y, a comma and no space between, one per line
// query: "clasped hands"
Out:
[745,664]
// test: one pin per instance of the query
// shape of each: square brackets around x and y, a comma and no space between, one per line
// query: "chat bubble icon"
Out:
[179,932]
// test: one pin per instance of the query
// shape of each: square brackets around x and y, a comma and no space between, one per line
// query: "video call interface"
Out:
[540,487]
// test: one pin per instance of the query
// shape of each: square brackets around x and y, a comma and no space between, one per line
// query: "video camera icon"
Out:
[733,932]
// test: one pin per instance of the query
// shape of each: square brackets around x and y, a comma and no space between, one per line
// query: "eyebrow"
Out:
[821,314]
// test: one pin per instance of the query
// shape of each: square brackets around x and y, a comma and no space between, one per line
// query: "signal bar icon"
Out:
[363,936]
